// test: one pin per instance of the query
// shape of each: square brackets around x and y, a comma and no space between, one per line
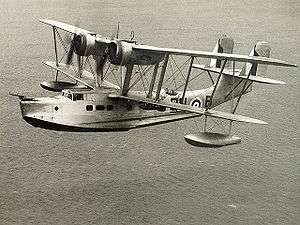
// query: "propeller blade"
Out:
[100,63]
[72,45]
[80,64]
[70,53]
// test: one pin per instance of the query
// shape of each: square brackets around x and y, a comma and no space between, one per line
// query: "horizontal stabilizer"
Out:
[229,72]
[187,108]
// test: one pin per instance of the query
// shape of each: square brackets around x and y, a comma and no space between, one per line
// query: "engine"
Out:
[122,53]
[84,44]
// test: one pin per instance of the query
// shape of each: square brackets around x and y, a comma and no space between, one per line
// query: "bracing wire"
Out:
[181,85]
[62,42]
[177,71]
[140,76]
[143,83]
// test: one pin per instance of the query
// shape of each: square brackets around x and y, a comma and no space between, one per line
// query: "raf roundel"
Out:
[196,103]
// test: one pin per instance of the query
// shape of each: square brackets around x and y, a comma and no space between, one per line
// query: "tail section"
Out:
[232,84]
[224,45]
[229,87]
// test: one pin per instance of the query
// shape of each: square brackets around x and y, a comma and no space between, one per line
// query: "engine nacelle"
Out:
[121,53]
[84,44]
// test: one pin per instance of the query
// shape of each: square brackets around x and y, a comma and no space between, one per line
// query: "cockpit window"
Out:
[77,97]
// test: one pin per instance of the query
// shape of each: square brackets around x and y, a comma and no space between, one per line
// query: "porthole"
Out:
[89,107]
[56,108]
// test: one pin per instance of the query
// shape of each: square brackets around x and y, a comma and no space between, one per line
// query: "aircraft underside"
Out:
[105,126]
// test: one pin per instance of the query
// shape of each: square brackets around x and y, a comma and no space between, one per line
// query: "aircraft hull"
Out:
[63,115]
[108,127]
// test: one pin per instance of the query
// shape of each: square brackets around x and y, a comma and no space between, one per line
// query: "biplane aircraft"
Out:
[93,103]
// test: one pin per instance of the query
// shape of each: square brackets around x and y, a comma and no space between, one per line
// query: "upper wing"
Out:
[187,108]
[66,27]
[174,51]
[229,72]
[214,55]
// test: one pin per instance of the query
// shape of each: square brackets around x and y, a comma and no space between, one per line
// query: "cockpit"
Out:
[73,95]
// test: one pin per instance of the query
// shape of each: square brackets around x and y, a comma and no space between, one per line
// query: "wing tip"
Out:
[261,122]
[285,63]
[48,22]
[44,21]
[280,82]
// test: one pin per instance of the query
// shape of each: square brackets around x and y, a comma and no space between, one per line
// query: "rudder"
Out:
[262,49]
[224,45]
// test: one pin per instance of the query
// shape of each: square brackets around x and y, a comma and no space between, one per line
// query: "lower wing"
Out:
[187,108]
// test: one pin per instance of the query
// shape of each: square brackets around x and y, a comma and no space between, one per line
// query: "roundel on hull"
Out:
[196,103]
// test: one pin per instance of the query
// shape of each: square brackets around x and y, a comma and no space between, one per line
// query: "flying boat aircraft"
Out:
[92,103]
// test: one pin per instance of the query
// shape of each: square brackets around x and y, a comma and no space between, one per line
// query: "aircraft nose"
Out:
[29,107]
[25,108]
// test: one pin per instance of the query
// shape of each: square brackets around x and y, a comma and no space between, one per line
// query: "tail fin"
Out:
[263,49]
[224,45]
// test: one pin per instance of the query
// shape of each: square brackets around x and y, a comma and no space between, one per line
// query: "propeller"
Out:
[100,53]
[75,42]
[70,53]
[100,63]
[102,59]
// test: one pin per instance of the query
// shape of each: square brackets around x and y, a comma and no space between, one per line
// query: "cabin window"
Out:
[109,107]
[77,97]
[89,108]
[100,107]
[161,108]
